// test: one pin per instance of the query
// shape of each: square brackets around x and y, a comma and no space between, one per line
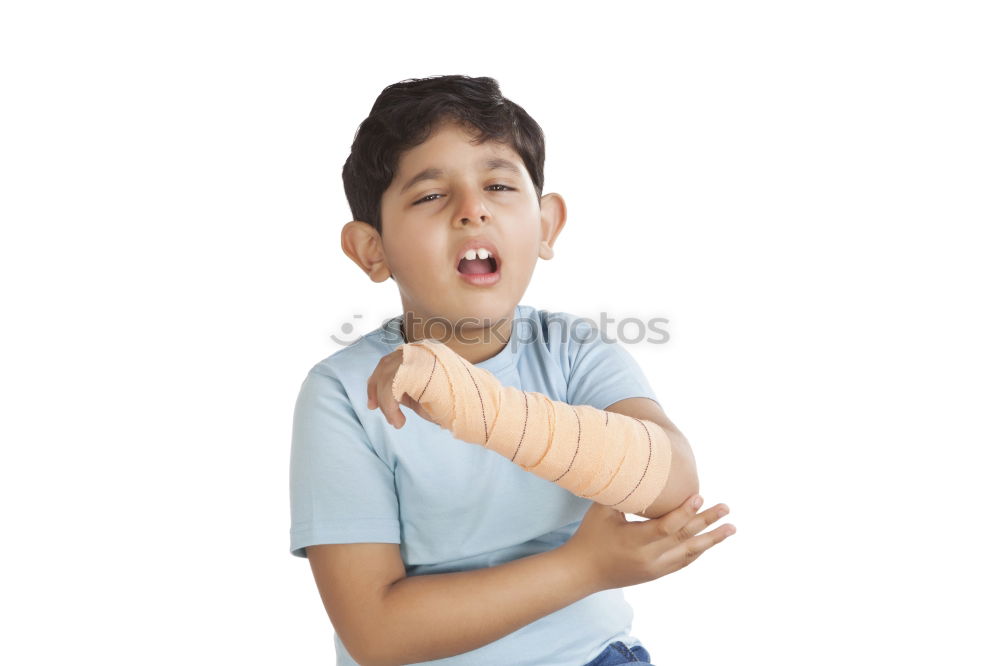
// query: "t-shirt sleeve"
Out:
[341,490]
[602,371]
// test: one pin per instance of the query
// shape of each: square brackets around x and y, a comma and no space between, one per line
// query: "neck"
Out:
[476,341]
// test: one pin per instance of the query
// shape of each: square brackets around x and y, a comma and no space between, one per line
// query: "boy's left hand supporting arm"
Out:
[621,457]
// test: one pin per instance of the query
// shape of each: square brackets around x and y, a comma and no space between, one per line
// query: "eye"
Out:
[428,197]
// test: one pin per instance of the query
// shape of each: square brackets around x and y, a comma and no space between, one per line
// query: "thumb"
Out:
[408,401]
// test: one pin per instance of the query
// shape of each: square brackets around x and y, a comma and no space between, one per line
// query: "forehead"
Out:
[452,149]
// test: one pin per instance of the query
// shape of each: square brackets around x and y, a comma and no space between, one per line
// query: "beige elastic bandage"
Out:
[610,458]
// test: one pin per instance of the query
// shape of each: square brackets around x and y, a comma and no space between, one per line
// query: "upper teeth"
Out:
[482,253]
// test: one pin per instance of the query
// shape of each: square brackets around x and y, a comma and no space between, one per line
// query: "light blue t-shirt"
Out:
[451,505]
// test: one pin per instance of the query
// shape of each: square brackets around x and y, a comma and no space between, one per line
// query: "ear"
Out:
[553,208]
[363,245]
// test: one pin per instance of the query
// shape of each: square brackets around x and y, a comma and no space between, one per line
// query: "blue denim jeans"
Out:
[619,653]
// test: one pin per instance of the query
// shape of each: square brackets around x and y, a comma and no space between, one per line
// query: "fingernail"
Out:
[696,504]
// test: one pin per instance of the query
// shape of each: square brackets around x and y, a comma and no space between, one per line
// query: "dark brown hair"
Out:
[407,113]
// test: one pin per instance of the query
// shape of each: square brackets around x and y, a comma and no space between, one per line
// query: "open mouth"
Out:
[477,266]
[479,258]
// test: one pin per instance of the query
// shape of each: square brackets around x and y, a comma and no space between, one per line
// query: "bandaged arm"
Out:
[610,458]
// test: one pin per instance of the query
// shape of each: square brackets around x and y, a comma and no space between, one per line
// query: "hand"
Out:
[380,391]
[615,552]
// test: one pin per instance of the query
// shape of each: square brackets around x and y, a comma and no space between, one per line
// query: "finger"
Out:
[701,521]
[688,551]
[671,522]
[390,408]
[686,525]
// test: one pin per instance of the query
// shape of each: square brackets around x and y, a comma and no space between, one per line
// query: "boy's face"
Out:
[427,224]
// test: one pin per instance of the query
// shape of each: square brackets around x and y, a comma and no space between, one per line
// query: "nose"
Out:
[470,207]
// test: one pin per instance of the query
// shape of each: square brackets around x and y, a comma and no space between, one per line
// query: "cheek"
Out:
[525,242]
[416,257]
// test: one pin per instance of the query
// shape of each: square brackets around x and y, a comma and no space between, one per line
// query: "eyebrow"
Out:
[430,173]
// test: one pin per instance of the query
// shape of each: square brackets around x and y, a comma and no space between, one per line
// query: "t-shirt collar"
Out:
[392,337]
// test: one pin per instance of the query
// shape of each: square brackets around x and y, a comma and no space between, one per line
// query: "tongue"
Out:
[475,266]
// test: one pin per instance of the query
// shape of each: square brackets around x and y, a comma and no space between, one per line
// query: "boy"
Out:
[426,547]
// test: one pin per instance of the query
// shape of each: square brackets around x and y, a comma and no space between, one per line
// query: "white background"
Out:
[808,191]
